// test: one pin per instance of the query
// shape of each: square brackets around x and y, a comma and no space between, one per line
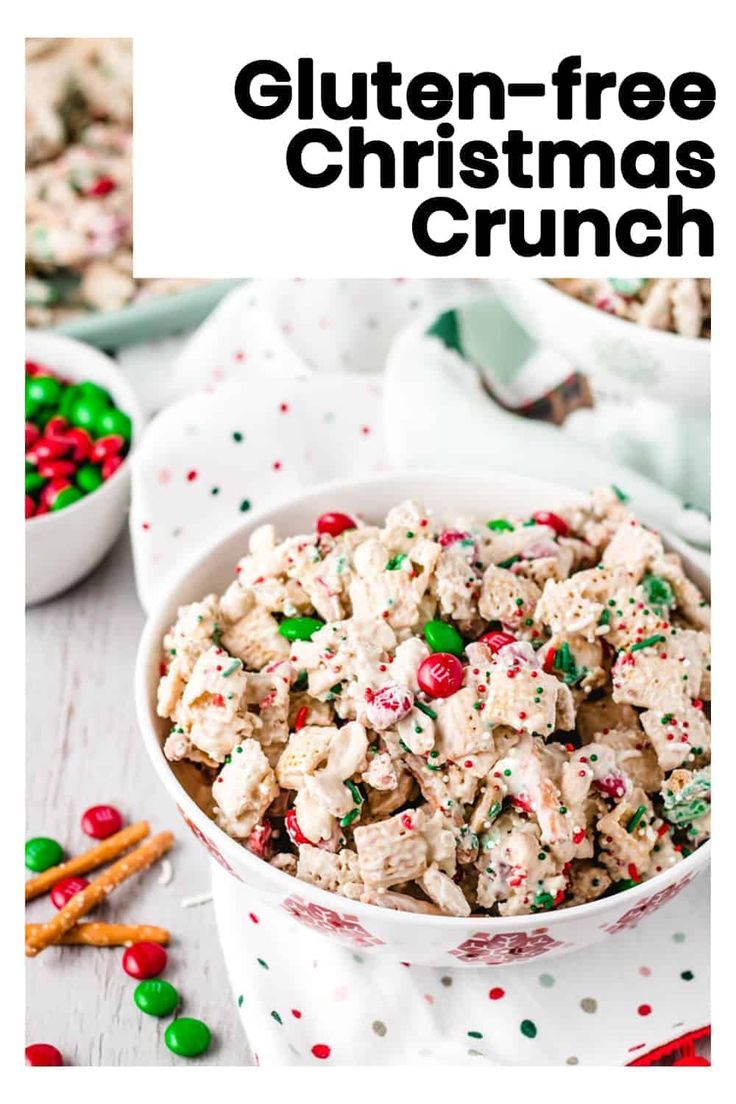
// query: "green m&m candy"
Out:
[42,853]
[34,482]
[67,497]
[187,1037]
[114,421]
[88,477]
[68,398]
[86,410]
[300,628]
[442,637]
[156,997]
[43,390]
[94,392]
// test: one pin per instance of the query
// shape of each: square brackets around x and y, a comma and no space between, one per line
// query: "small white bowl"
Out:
[63,547]
[619,357]
[423,940]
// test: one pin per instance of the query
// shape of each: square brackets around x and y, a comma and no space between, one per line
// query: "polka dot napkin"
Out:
[283,387]
[304,1000]
[293,382]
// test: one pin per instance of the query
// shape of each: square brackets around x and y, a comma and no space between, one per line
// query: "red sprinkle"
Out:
[144,960]
[496,993]
[644,1009]
[321,1050]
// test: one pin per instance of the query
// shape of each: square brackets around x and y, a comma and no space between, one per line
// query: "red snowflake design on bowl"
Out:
[211,847]
[495,950]
[650,904]
[347,928]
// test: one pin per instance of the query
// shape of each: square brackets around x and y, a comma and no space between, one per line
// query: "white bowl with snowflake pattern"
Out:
[422,939]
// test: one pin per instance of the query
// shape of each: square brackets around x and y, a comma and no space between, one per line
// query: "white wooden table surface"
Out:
[84,749]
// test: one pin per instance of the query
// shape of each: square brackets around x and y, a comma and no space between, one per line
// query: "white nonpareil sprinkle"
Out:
[198,899]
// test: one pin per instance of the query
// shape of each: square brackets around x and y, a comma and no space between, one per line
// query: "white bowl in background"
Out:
[63,547]
[619,357]
[423,940]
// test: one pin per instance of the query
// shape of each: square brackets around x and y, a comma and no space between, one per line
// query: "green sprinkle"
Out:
[659,593]
[509,562]
[636,818]
[620,495]
[245,506]
[231,668]
[409,534]
[563,810]
[261,962]
[277,1018]
[357,795]
[395,562]
[507,772]
[650,640]
[349,818]
[500,525]
[605,617]
[403,746]
[301,681]
[528,1028]
[475,1034]
[426,709]
[667,717]
[687,975]
[237,437]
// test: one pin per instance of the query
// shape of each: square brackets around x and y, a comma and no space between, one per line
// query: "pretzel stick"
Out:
[96,891]
[96,933]
[101,853]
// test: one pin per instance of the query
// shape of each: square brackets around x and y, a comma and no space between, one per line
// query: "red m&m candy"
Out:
[46,449]
[101,821]
[496,640]
[144,960]
[56,428]
[293,830]
[440,675]
[32,434]
[56,469]
[110,465]
[79,441]
[106,446]
[334,524]
[102,186]
[65,889]
[43,1054]
[545,517]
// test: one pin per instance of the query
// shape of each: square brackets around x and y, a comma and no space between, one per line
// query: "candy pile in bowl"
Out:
[76,439]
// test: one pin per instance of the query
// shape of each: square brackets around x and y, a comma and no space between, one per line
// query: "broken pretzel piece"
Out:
[97,933]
